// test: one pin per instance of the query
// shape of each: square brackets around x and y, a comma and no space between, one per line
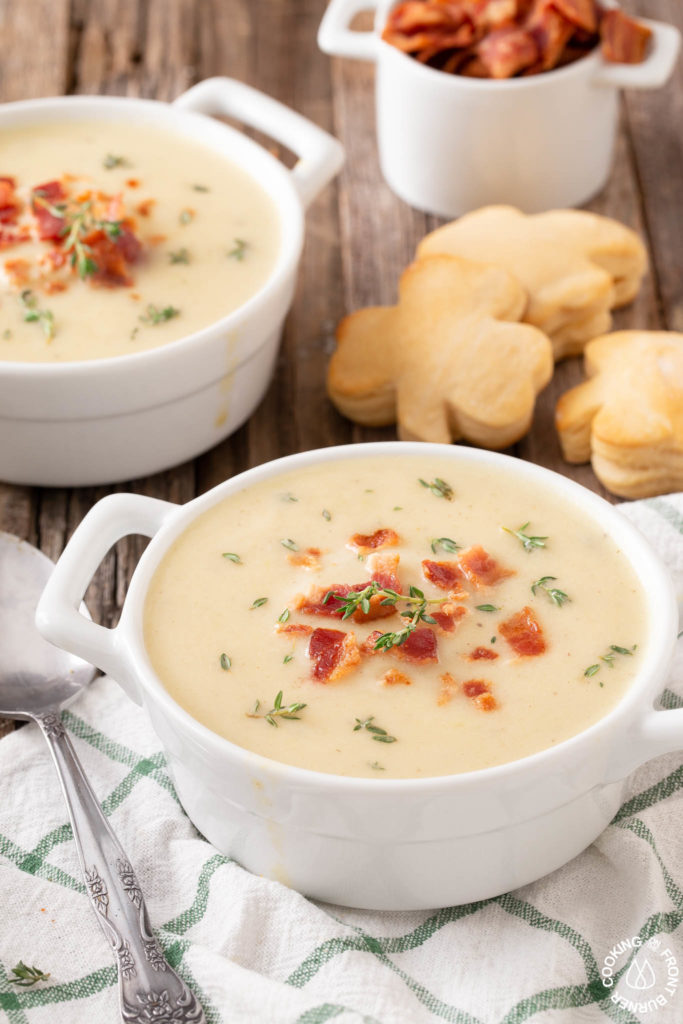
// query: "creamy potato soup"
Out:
[117,237]
[395,617]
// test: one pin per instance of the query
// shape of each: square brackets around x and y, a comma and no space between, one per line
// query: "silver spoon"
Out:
[36,681]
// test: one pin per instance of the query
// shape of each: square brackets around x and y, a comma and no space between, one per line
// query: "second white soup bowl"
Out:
[105,420]
[386,844]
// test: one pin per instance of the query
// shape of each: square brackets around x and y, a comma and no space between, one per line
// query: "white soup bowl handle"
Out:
[58,617]
[337,38]
[320,155]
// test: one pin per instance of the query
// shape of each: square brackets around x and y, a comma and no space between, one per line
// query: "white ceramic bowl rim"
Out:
[643,690]
[291,242]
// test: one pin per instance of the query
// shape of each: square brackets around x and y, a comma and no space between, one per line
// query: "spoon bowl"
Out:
[35,676]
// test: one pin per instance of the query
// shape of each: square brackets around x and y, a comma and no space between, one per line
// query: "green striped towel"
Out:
[258,953]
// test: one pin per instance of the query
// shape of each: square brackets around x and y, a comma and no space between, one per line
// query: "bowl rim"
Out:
[289,250]
[639,696]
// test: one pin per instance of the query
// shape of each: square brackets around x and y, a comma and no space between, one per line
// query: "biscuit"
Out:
[575,266]
[450,361]
[627,418]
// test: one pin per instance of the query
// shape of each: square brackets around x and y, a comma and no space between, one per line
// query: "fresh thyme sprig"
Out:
[78,223]
[527,542]
[153,315]
[290,711]
[360,600]
[27,976]
[381,735]
[438,487]
[609,657]
[558,597]
[32,314]
[444,542]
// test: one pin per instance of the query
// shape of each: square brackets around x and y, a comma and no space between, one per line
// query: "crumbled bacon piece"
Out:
[524,633]
[50,227]
[623,39]
[482,654]
[314,603]
[448,616]
[419,646]
[145,207]
[383,538]
[582,13]
[507,51]
[112,256]
[479,691]
[308,559]
[9,204]
[395,678]
[19,272]
[383,569]
[444,575]
[333,653]
[448,689]
[480,569]
[368,645]
[551,33]
[294,627]
[9,238]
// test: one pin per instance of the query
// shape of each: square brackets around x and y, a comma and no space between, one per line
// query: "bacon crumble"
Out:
[333,652]
[524,633]
[382,538]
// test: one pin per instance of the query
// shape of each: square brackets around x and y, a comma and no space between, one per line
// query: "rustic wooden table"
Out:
[359,234]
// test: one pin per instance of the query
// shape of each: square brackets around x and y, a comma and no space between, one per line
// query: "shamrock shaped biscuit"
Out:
[575,266]
[628,417]
[449,361]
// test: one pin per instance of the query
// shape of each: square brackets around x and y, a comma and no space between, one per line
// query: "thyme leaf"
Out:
[111,161]
[487,608]
[289,711]
[153,315]
[527,542]
[239,250]
[259,602]
[201,188]
[380,735]
[226,662]
[287,658]
[231,556]
[377,766]
[186,216]
[439,487]
[33,314]
[287,543]
[179,256]
[558,597]
[326,515]
[444,542]
[609,657]
[283,615]
[26,976]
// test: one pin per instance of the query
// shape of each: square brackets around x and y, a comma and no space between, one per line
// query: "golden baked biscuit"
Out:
[449,361]
[575,266]
[627,418]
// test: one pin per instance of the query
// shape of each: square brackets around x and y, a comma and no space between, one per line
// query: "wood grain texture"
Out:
[359,234]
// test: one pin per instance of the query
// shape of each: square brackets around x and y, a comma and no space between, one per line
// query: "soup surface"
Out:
[522,622]
[117,237]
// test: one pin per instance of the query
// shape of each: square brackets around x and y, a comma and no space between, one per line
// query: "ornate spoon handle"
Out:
[149,989]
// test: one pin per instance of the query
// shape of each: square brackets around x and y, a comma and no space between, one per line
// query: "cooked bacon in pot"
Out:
[623,39]
[524,633]
[333,653]
[365,543]
[503,38]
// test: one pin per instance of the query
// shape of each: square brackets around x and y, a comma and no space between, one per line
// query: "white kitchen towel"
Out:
[258,953]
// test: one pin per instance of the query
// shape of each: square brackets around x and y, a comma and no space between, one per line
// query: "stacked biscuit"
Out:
[491,302]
